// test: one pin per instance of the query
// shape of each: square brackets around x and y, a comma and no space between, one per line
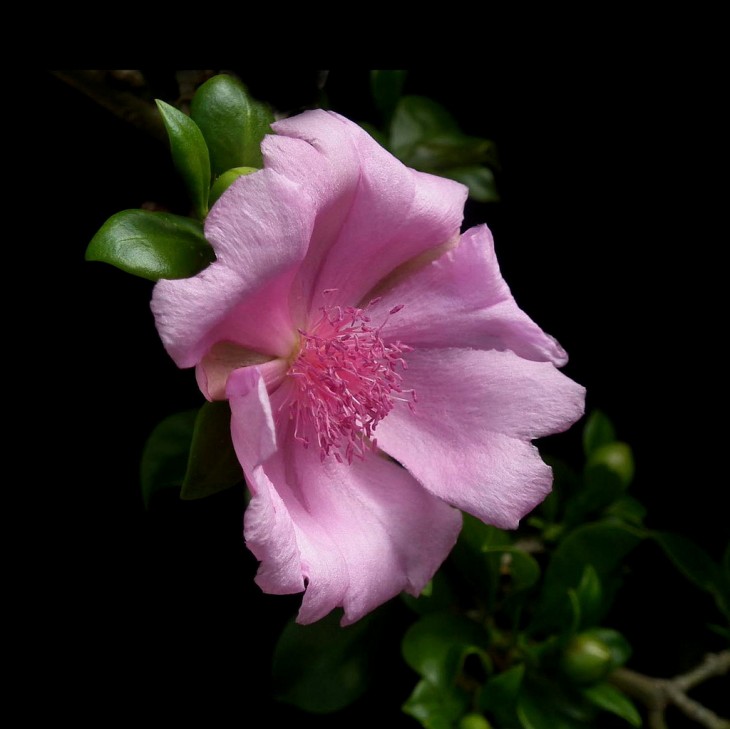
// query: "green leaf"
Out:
[536,711]
[165,455]
[627,509]
[438,595]
[690,559]
[232,122]
[590,596]
[437,644]
[521,566]
[152,245]
[604,545]
[323,667]
[609,698]
[226,180]
[212,465]
[499,694]
[424,135]
[436,707]
[387,88]
[478,567]
[479,180]
[598,431]
[190,154]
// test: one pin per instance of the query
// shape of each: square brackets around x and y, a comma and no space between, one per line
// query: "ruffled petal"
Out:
[461,300]
[468,441]
[260,230]
[373,212]
[363,533]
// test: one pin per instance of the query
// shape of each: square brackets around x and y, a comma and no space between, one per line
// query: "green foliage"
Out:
[232,122]
[212,465]
[609,698]
[190,155]
[323,667]
[425,136]
[191,451]
[436,707]
[598,431]
[226,180]
[697,566]
[387,88]
[165,455]
[151,245]
[437,645]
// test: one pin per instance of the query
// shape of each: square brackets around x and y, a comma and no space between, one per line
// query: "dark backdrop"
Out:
[607,233]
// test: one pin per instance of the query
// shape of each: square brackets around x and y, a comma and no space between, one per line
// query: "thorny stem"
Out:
[659,693]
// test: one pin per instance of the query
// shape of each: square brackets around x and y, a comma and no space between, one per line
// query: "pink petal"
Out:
[269,530]
[364,532]
[373,212]
[461,300]
[260,230]
[468,441]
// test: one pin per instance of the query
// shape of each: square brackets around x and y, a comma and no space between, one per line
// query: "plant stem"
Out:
[658,693]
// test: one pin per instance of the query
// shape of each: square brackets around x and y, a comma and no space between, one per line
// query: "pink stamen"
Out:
[346,382]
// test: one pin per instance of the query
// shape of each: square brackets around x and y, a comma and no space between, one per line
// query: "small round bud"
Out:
[474,721]
[586,659]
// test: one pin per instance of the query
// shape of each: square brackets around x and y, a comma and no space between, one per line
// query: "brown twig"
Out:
[659,693]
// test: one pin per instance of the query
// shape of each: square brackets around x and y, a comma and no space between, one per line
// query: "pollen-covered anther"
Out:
[345,382]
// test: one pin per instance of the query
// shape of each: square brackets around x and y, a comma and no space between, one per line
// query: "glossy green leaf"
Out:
[165,455]
[499,693]
[478,567]
[226,180]
[537,711]
[590,597]
[479,179]
[607,475]
[436,706]
[690,559]
[323,667]
[387,88]
[424,135]
[189,153]
[604,545]
[212,464]
[152,245]
[609,698]
[232,122]
[627,509]
[436,645]
[598,431]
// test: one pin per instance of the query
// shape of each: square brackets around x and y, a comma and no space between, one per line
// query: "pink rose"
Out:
[380,375]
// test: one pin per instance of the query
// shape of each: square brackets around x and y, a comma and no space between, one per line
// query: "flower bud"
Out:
[586,659]
[474,721]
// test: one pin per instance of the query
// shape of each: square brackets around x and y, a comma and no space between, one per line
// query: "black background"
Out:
[608,233]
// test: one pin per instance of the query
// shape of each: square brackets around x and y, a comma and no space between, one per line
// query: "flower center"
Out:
[345,382]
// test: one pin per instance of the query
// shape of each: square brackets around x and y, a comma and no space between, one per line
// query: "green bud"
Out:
[586,659]
[227,179]
[617,458]
[474,721]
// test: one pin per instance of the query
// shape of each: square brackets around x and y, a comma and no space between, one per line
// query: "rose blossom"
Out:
[380,375]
